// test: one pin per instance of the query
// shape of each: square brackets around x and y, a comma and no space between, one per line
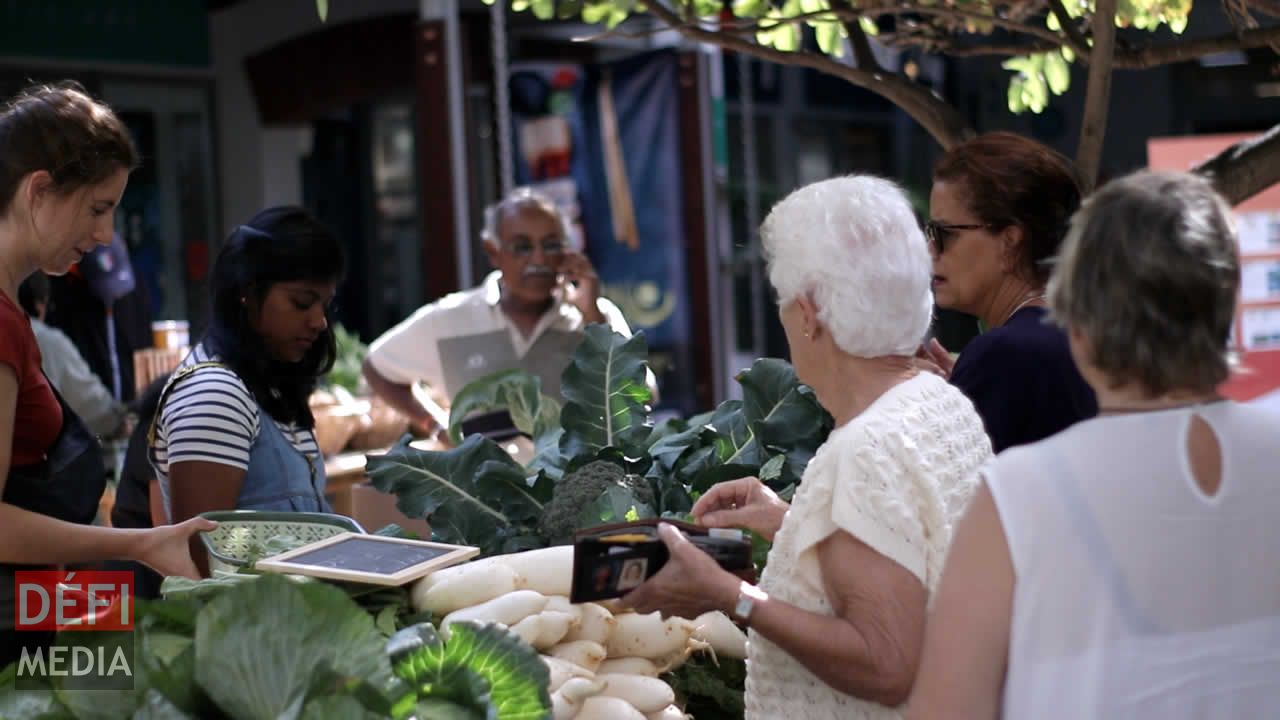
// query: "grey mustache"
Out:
[537,270]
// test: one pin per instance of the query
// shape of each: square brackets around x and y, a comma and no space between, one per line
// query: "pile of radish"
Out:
[604,664]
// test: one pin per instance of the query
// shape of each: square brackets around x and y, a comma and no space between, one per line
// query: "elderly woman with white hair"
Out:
[1125,567]
[837,621]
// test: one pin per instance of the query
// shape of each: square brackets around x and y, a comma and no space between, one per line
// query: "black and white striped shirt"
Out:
[211,416]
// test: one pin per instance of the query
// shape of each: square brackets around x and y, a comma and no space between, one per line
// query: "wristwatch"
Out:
[748,596]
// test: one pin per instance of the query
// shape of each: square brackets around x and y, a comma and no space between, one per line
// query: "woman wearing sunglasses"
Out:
[998,212]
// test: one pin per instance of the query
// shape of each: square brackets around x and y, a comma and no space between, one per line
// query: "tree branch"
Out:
[1093,127]
[941,120]
[1266,7]
[1151,56]
[1246,168]
[862,53]
[986,50]
[1078,42]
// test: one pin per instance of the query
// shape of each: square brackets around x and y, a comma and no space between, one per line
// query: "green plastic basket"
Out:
[239,531]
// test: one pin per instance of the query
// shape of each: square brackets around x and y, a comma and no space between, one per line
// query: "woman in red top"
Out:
[64,163]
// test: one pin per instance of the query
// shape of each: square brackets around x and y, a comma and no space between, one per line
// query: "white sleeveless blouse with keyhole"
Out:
[1137,595]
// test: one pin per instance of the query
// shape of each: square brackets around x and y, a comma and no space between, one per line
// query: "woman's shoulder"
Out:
[913,419]
[202,377]
[1029,333]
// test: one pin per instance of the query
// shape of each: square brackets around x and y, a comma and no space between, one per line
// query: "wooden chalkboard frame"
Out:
[284,561]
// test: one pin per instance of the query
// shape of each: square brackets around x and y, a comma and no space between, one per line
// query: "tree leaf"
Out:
[483,666]
[568,9]
[1057,73]
[605,393]
[830,36]
[543,9]
[516,391]
[259,645]
[750,9]
[869,26]
[594,13]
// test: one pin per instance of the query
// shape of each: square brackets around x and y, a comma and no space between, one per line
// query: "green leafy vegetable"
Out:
[472,494]
[605,394]
[259,645]
[517,391]
[480,667]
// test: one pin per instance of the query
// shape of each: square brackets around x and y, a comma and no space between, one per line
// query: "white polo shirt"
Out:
[466,336]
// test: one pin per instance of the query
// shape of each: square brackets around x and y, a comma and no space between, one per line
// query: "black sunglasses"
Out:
[937,233]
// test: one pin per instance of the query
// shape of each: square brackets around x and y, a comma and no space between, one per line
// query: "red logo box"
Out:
[77,600]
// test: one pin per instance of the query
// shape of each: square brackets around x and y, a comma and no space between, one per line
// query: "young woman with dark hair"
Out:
[998,213]
[64,162]
[234,430]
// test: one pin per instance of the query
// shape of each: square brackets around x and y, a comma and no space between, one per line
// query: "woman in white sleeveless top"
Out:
[837,622]
[1127,567]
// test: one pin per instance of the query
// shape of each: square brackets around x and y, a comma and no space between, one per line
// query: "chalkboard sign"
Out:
[368,559]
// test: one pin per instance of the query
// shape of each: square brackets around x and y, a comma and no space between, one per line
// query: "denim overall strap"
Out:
[280,477]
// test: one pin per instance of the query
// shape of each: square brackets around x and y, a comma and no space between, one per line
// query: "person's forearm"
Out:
[830,647]
[397,396]
[31,538]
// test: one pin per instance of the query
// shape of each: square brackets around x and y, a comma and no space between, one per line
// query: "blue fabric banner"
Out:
[604,141]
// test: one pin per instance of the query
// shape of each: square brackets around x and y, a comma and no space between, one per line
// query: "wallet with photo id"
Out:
[610,561]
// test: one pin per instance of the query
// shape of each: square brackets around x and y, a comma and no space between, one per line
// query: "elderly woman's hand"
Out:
[690,584]
[934,358]
[742,503]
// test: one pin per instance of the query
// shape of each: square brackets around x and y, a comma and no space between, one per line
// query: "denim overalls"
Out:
[280,478]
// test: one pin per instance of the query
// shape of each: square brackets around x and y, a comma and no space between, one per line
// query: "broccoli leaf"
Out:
[776,413]
[471,494]
[615,504]
[517,391]
[711,692]
[605,394]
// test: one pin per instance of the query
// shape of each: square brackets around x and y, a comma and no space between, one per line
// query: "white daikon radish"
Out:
[645,694]
[562,671]
[562,709]
[560,603]
[462,591]
[508,609]
[629,666]
[554,626]
[582,653]
[549,570]
[567,701]
[718,631]
[670,712]
[596,624]
[529,628]
[649,636]
[603,707]
[673,661]
[474,570]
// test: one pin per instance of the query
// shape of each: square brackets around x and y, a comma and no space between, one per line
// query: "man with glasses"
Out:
[528,313]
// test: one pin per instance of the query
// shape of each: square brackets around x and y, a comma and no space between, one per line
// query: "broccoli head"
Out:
[579,489]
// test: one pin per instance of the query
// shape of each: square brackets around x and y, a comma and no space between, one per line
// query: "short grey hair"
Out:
[854,246]
[1148,274]
[521,198]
